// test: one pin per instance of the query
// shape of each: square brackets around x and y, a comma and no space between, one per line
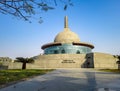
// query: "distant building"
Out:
[5,59]
[67,51]
[4,62]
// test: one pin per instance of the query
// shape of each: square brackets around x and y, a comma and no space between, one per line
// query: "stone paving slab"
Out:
[70,80]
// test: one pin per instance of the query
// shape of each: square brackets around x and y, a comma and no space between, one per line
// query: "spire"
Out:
[66,22]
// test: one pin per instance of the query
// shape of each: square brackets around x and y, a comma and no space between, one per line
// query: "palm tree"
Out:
[24,61]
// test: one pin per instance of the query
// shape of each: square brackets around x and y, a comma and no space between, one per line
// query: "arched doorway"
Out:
[63,51]
[78,52]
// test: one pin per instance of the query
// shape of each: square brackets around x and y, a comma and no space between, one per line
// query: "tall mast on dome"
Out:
[66,22]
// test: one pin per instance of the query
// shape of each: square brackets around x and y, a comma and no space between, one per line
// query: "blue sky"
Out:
[95,21]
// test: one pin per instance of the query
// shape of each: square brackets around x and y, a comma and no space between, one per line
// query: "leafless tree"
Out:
[26,9]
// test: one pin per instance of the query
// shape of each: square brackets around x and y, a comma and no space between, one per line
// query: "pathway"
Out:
[70,80]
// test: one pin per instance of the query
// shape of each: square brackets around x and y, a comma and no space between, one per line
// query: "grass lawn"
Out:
[7,76]
[111,70]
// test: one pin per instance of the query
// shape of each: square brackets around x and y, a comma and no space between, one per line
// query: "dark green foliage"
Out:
[27,60]
[24,61]
[118,57]
[118,60]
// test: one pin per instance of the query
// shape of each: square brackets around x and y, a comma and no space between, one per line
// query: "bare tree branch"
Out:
[24,8]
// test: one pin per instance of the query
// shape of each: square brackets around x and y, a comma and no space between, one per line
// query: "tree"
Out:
[0,63]
[118,60]
[25,9]
[24,61]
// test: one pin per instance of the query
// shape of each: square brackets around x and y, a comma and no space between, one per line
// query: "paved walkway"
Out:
[70,80]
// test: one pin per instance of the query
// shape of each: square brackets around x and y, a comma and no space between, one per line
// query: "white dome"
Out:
[66,36]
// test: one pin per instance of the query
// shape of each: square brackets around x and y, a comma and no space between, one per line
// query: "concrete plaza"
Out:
[70,80]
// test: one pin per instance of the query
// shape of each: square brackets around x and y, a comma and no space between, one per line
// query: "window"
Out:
[55,51]
[78,52]
[63,51]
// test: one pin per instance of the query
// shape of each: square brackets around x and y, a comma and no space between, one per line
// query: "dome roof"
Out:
[66,36]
